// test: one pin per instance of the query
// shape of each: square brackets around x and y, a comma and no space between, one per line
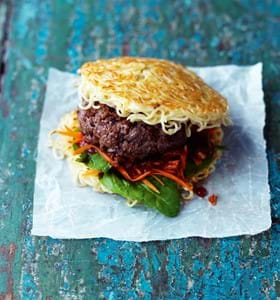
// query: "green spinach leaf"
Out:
[84,158]
[97,162]
[192,169]
[167,201]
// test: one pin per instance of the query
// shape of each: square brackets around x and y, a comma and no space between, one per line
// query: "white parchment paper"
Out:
[62,210]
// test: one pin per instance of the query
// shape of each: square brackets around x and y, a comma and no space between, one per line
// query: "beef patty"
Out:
[126,141]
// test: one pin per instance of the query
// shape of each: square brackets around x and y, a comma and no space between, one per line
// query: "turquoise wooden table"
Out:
[36,35]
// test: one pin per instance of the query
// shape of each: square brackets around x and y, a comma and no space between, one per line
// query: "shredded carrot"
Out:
[71,133]
[91,173]
[188,186]
[119,168]
[150,185]
[213,199]
[82,149]
[77,140]
[158,180]
[128,177]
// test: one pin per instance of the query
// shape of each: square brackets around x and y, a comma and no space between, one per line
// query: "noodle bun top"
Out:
[153,91]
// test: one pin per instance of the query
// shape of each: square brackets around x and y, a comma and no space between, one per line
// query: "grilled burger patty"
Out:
[126,141]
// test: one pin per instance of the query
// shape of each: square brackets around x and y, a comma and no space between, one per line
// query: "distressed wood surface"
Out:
[63,34]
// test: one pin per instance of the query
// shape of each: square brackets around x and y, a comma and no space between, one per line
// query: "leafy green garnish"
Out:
[192,169]
[83,157]
[97,162]
[167,201]
[94,161]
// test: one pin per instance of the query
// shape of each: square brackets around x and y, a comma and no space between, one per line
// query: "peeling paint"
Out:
[7,254]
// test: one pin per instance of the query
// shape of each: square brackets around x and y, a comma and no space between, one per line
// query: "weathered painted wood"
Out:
[64,34]
[3,19]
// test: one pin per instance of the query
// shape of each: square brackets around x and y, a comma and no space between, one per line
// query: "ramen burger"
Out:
[146,129]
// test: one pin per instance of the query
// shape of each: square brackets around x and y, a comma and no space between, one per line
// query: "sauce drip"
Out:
[200,191]
[213,199]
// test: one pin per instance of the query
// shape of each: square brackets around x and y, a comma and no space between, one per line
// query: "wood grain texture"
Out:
[64,34]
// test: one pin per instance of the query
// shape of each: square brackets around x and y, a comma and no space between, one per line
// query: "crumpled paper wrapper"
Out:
[62,210]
